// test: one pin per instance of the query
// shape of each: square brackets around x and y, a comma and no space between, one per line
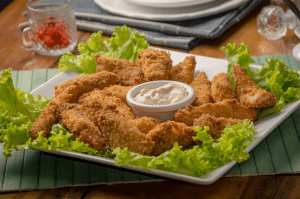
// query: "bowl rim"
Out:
[159,108]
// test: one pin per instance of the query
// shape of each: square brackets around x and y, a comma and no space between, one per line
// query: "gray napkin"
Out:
[180,34]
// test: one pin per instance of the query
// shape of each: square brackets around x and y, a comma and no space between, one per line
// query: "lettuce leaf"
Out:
[240,56]
[61,139]
[275,77]
[201,159]
[18,111]
[9,100]
[122,45]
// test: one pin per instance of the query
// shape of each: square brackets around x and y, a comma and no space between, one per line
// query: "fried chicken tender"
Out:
[227,109]
[107,100]
[45,121]
[119,91]
[166,134]
[216,125]
[87,83]
[221,88]
[202,87]
[248,93]
[184,71]
[80,126]
[118,132]
[69,92]
[129,73]
[48,116]
[156,64]
[145,124]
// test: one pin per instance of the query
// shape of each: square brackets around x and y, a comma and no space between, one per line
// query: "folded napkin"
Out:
[183,34]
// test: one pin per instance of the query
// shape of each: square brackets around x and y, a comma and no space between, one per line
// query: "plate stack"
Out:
[168,10]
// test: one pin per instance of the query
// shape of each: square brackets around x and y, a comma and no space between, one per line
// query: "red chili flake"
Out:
[52,34]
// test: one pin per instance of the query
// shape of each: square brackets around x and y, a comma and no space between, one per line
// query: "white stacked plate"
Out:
[168,10]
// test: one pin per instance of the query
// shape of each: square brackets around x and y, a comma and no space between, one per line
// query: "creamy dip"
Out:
[169,93]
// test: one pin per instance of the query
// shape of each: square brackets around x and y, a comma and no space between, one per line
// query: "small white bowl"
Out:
[161,112]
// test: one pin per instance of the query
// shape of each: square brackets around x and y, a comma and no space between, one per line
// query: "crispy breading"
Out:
[145,124]
[45,121]
[221,88]
[80,126]
[227,109]
[107,100]
[166,134]
[156,64]
[87,83]
[118,132]
[69,92]
[202,87]
[184,71]
[119,91]
[216,125]
[248,92]
[129,72]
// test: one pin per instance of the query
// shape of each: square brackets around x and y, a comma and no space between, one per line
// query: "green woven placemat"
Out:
[30,169]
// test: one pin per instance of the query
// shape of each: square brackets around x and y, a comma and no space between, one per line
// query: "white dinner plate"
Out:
[169,3]
[133,10]
[211,66]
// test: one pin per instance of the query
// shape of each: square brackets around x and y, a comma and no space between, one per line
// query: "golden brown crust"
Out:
[227,109]
[216,125]
[45,121]
[129,72]
[201,86]
[166,134]
[248,93]
[87,83]
[221,88]
[81,127]
[156,64]
[119,91]
[184,71]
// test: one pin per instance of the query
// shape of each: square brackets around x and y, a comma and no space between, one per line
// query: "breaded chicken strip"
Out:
[184,71]
[129,73]
[216,125]
[119,91]
[45,121]
[80,126]
[107,100]
[118,132]
[69,92]
[221,88]
[201,86]
[90,110]
[87,83]
[145,124]
[156,64]
[227,109]
[248,93]
[166,134]
[48,116]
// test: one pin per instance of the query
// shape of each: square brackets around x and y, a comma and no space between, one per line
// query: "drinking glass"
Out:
[51,27]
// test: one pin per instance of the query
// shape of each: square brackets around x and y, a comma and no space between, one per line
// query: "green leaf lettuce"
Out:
[122,45]
[201,159]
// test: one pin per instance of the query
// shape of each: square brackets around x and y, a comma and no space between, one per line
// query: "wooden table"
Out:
[275,186]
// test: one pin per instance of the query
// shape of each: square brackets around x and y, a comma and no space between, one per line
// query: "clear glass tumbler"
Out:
[51,27]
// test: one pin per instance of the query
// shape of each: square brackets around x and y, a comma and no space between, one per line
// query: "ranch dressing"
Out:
[169,93]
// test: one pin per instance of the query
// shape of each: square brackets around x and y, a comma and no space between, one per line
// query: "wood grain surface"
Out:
[273,186]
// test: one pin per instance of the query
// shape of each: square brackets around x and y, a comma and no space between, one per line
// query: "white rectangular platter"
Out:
[211,66]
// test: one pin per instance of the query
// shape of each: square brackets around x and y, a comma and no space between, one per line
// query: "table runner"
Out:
[278,153]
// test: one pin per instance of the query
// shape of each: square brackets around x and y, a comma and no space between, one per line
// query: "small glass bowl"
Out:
[161,112]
